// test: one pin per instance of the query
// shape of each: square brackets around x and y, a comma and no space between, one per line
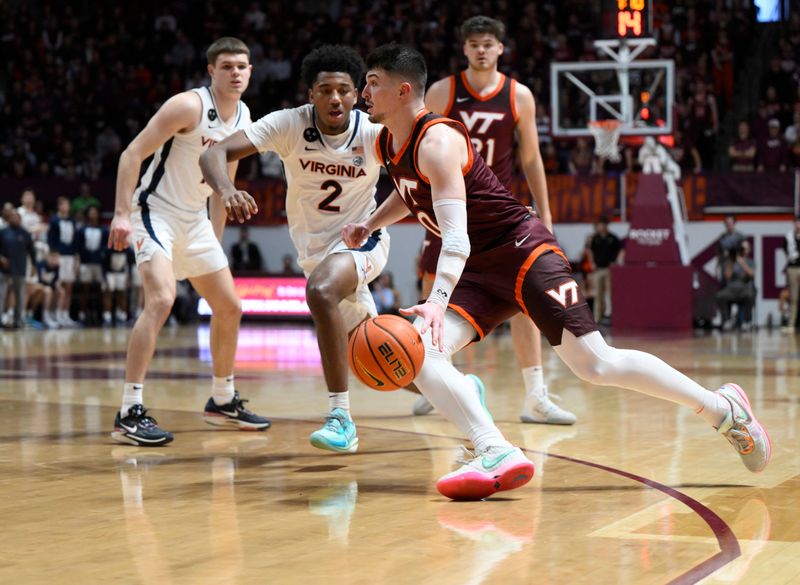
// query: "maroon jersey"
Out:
[489,119]
[491,208]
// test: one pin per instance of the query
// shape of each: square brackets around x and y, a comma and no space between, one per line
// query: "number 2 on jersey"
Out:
[336,190]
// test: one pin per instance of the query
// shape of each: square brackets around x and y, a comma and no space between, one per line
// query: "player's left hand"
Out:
[355,234]
[432,315]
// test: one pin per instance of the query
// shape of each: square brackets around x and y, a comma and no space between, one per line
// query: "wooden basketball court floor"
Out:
[638,491]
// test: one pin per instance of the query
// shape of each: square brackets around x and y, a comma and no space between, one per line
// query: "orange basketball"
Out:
[386,352]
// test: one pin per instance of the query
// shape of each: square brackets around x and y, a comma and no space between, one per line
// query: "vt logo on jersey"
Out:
[471,119]
[567,293]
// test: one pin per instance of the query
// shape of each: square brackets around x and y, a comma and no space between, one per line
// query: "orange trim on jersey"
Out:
[378,152]
[451,100]
[449,121]
[468,318]
[476,95]
[513,92]
[396,158]
[538,251]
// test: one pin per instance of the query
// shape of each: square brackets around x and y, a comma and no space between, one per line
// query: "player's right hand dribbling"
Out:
[120,232]
[239,205]
[355,234]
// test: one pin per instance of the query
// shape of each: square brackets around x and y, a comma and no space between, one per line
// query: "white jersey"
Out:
[173,180]
[331,179]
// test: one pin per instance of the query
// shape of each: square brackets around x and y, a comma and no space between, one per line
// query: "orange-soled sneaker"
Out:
[743,431]
[493,470]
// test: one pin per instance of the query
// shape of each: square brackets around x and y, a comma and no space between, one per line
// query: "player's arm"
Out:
[442,154]
[214,165]
[530,155]
[178,113]
[216,206]
[437,98]
[392,210]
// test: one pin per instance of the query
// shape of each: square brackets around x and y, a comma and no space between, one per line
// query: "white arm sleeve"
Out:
[451,215]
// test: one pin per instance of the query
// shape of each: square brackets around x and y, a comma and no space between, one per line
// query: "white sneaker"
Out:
[482,474]
[743,431]
[542,410]
[121,316]
[50,321]
[106,317]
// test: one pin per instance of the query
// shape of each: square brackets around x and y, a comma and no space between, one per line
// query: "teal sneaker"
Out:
[337,434]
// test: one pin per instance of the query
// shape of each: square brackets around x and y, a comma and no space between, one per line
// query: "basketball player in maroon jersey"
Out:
[504,261]
[494,108]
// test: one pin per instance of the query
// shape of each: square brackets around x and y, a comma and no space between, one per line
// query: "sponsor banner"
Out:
[269,296]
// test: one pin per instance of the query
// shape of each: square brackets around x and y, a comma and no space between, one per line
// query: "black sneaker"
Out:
[235,414]
[139,429]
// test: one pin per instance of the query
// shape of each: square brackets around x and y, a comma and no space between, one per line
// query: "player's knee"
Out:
[592,369]
[159,304]
[320,293]
[228,308]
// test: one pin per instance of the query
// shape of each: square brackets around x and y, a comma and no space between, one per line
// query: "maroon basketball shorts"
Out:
[429,258]
[527,273]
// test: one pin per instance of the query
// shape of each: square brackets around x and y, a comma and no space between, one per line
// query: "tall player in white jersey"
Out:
[173,237]
[328,152]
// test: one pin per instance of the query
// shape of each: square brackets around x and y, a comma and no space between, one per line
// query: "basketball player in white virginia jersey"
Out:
[173,237]
[331,166]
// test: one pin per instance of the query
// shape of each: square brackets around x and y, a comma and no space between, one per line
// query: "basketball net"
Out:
[606,138]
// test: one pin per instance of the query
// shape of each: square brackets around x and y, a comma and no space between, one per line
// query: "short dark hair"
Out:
[603,219]
[333,59]
[225,45]
[478,25]
[403,61]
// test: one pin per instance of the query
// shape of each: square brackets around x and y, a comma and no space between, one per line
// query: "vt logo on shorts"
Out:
[569,288]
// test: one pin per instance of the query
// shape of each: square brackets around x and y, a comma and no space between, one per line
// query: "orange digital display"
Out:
[633,18]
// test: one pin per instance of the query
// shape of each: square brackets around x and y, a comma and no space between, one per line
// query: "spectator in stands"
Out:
[604,250]
[685,154]
[742,150]
[31,220]
[793,272]
[722,70]
[581,158]
[117,266]
[83,201]
[61,239]
[16,250]
[90,244]
[779,80]
[729,242]
[738,272]
[703,122]
[245,254]
[772,154]
[289,266]
[792,132]
[47,274]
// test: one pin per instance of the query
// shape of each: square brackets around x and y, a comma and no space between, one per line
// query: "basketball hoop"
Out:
[606,138]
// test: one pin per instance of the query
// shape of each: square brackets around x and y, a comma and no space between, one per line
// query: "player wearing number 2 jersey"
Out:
[328,153]
[495,109]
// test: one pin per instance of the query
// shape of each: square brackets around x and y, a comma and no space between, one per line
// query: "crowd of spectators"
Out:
[43,261]
[86,77]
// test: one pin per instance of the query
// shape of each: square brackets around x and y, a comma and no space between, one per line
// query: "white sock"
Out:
[451,392]
[222,390]
[339,400]
[591,359]
[533,377]
[131,394]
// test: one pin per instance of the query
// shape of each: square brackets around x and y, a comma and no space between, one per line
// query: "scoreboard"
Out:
[628,19]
